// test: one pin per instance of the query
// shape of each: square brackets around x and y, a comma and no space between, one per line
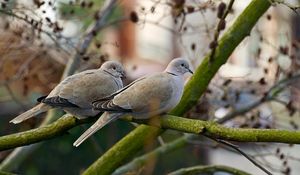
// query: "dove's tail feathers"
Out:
[40,108]
[105,119]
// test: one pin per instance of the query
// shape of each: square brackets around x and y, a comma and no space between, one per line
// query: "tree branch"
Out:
[206,128]
[135,165]
[269,96]
[6,173]
[250,158]
[292,7]
[218,29]
[240,29]
[101,21]
[57,128]
[209,169]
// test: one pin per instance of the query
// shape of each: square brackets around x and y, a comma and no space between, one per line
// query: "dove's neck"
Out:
[175,75]
[173,71]
[117,79]
[110,73]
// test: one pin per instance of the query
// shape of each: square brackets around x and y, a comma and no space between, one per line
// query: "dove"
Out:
[76,93]
[144,98]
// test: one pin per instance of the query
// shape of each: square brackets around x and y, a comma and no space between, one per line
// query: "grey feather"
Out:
[40,108]
[105,119]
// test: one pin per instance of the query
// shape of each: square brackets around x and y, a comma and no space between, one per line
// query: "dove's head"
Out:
[114,68]
[179,66]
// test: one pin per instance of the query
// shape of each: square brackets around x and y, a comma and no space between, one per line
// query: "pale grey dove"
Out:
[76,93]
[146,97]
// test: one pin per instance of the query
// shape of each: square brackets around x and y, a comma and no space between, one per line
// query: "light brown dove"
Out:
[76,93]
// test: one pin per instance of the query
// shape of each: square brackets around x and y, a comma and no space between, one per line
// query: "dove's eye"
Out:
[114,68]
[182,65]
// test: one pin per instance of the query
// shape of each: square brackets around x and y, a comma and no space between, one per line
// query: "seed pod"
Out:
[221,25]
[190,9]
[227,82]
[262,81]
[221,9]
[213,44]
[85,58]
[134,17]
[193,46]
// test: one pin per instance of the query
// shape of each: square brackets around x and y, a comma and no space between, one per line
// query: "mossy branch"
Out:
[206,128]
[240,29]
[209,170]
[57,128]
[138,163]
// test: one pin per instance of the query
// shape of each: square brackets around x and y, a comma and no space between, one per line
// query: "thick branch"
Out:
[214,130]
[196,86]
[207,128]
[6,173]
[60,127]
[209,169]
[230,40]
[135,165]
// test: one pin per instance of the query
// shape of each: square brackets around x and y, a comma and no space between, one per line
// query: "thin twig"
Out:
[140,161]
[100,23]
[269,96]
[49,34]
[235,147]
[14,98]
[294,8]
[208,169]
[22,71]
[217,31]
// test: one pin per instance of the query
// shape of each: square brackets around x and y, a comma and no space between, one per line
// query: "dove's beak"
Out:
[190,71]
[123,75]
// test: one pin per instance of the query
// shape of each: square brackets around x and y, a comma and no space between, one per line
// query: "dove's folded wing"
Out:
[58,102]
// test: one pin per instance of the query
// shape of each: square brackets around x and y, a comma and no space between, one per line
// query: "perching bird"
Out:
[146,97]
[76,93]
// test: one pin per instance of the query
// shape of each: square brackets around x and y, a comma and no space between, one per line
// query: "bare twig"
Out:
[21,72]
[49,34]
[214,43]
[235,147]
[100,23]
[292,7]
[269,96]
[14,98]
[210,169]
[139,162]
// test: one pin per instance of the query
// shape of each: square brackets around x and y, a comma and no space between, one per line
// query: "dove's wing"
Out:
[105,119]
[83,88]
[58,102]
[152,95]
[111,96]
